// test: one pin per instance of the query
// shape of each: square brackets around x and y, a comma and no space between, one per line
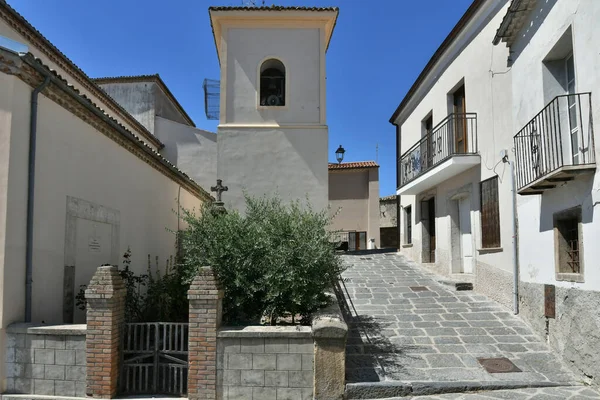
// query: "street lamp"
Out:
[339,154]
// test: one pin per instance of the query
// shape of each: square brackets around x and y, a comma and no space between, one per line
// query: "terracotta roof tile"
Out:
[31,58]
[354,165]
[388,198]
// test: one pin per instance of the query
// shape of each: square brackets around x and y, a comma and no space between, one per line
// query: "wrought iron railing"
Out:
[456,134]
[560,135]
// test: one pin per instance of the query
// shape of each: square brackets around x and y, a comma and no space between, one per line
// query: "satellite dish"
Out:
[273,100]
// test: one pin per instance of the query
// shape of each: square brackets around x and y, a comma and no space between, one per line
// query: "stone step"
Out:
[457,285]
[386,390]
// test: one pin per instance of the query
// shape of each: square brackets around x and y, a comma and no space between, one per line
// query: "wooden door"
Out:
[429,152]
[431,221]
[460,121]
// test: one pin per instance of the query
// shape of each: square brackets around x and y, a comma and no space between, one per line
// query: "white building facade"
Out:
[496,142]
[555,83]
[451,128]
[273,134]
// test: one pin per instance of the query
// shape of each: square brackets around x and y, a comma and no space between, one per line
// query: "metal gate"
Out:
[154,358]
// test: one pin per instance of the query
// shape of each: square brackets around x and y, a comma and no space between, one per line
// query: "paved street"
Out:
[563,393]
[407,327]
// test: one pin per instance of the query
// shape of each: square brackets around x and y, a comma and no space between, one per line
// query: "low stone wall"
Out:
[264,363]
[575,332]
[46,360]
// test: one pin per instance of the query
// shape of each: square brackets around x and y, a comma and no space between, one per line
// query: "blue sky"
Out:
[377,51]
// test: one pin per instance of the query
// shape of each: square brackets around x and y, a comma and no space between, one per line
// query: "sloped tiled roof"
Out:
[515,18]
[388,198]
[353,165]
[146,78]
[35,37]
[271,8]
[127,134]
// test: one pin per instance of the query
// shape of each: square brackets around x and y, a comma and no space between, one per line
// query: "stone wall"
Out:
[46,360]
[389,238]
[575,332]
[265,363]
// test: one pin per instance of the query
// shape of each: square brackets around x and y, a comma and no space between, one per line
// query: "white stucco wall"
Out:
[192,150]
[74,160]
[300,50]
[535,212]
[481,67]
[289,162]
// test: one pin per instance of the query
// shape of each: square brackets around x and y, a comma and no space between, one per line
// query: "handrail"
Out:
[455,134]
[560,134]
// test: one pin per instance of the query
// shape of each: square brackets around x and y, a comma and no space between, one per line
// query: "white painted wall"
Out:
[298,49]
[74,160]
[268,150]
[192,150]
[482,67]
[535,212]
[289,162]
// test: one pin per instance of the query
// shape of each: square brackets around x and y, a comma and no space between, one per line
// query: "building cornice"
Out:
[32,71]
[17,22]
[272,17]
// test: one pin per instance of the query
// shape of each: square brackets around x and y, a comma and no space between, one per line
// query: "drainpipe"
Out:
[515,254]
[30,198]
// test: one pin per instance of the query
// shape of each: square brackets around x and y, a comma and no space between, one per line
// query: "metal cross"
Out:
[219,189]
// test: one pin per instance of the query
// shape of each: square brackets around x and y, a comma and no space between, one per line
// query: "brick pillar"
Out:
[206,300]
[105,297]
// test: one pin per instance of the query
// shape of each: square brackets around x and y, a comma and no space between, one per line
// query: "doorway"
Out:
[460,121]
[357,241]
[466,244]
[428,221]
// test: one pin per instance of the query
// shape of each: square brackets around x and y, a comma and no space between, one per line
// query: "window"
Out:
[490,214]
[272,84]
[407,225]
[568,245]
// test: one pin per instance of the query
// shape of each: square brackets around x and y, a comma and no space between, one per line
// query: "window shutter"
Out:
[490,213]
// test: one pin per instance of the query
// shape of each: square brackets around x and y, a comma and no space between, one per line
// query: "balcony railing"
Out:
[557,142]
[455,135]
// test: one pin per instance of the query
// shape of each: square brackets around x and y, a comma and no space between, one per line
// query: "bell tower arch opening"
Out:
[272,83]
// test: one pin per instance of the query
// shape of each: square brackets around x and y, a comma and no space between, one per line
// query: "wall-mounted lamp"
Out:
[339,154]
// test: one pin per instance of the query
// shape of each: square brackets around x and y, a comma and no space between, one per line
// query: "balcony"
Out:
[448,150]
[556,145]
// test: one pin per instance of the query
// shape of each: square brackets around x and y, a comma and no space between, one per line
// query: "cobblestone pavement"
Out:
[562,393]
[398,333]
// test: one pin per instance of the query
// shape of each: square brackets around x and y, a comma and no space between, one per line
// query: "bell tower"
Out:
[272,134]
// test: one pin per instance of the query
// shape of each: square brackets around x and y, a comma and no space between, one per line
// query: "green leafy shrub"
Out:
[277,260]
[151,297]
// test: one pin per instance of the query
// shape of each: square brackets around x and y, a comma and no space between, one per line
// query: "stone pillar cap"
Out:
[329,327]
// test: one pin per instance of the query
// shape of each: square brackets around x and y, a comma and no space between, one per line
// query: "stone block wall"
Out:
[575,332]
[265,363]
[46,360]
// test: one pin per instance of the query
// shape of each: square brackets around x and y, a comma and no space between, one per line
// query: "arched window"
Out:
[272,84]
